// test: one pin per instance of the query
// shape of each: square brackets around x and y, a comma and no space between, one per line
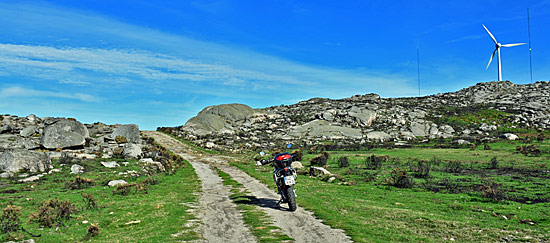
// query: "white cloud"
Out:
[16,91]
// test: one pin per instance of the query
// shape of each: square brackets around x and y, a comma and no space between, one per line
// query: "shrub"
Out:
[53,212]
[374,162]
[529,150]
[494,163]
[9,220]
[120,139]
[491,190]
[421,170]
[297,155]
[93,230]
[320,160]
[89,201]
[454,167]
[80,183]
[399,178]
[125,189]
[343,162]
[486,147]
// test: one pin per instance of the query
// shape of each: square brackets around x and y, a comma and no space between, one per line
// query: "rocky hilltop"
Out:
[483,111]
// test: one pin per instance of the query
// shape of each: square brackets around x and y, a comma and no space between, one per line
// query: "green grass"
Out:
[162,211]
[372,211]
[260,224]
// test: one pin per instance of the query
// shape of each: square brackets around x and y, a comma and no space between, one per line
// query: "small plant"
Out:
[529,150]
[343,162]
[53,212]
[125,189]
[320,160]
[399,178]
[491,190]
[421,170]
[89,201]
[9,220]
[80,183]
[494,163]
[454,167]
[66,158]
[374,162]
[486,147]
[120,139]
[297,155]
[93,231]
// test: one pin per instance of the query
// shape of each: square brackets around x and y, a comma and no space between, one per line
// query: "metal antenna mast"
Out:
[418,69]
[529,30]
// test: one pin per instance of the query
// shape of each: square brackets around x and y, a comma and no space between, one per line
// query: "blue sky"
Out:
[158,64]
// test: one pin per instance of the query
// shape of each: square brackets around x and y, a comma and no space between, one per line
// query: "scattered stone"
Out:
[331,179]
[132,151]
[114,183]
[297,165]
[28,131]
[133,222]
[30,179]
[318,171]
[77,169]
[510,136]
[110,164]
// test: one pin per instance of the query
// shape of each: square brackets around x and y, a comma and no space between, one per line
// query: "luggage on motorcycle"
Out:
[283,160]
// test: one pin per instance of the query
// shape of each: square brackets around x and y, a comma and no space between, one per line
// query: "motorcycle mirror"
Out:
[289,145]
[262,153]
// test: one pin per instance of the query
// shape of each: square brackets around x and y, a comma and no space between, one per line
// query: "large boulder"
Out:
[131,150]
[363,117]
[14,160]
[420,129]
[64,133]
[216,118]
[130,132]
[378,136]
[324,129]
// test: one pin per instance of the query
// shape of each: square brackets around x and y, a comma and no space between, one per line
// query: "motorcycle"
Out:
[284,176]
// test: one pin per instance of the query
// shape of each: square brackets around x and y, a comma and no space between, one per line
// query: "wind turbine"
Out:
[497,49]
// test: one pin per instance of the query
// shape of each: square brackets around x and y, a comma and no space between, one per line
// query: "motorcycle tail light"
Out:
[286,169]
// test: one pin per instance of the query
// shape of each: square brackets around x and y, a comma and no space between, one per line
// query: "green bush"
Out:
[53,212]
[9,221]
[343,162]
[399,178]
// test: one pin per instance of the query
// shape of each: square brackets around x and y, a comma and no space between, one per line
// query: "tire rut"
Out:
[300,225]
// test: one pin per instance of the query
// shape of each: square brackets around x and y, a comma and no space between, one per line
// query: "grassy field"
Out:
[431,195]
[158,208]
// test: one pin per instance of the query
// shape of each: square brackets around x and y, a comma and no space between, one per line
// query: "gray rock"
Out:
[110,164]
[28,131]
[30,179]
[323,129]
[215,118]
[32,118]
[510,136]
[130,132]
[318,171]
[462,142]
[64,133]
[154,164]
[420,129]
[114,183]
[378,136]
[331,179]
[132,151]
[297,165]
[14,160]
[364,117]
[77,169]
[486,128]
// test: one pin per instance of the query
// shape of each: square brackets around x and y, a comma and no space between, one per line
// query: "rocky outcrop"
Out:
[64,133]
[129,132]
[15,160]
[217,118]
[323,129]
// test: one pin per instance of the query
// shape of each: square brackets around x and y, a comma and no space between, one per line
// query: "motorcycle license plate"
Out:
[289,180]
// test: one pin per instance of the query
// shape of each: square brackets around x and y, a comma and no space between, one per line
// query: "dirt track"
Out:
[223,223]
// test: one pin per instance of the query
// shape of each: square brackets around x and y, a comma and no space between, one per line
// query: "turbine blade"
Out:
[510,45]
[491,58]
[489,32]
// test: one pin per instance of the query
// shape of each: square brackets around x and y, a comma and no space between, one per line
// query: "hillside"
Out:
[485,111]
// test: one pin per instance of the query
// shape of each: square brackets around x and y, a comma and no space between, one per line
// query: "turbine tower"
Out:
[497,49]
